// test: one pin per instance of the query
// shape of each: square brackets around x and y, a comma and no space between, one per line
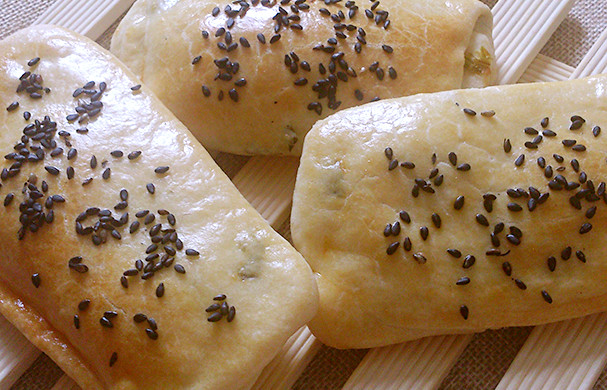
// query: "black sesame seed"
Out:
[576,124]
[392,73]
[551,263]
[579,148]
[136,87]
[596,130]
[520,284]
[420,258]
[423,231]
[404,216]
[516,232]
[216,316]
[113,358]
[150,188]
[581,256]
[139,317]
[566,253]
[459,202]
[52,170]
[179,268]
[507,268]
[585,228]
[548,133]
[513,239]
[453,158]
[191,252]
[388,49]
[546,296]
[106,173]
[407,244]
[463,167]
[454,252]
[519,160]
[545,121]
[160,290]
[495,241]
[105,322]
[575,202]
[463,281]
[13,106]
[134,227]
[469,261]
[464,312]
[482,220]
[569,142]
[530,131]
[498,228]
[514,207]
[392,247]
[388,153]
[469,111]
[408,164]
[36,280]
[33,61]
[161,169]
[507,145]
[8,199]
[436,220]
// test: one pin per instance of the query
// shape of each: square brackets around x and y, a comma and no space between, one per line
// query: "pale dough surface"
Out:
[437,45]
[345,196]
[240,255]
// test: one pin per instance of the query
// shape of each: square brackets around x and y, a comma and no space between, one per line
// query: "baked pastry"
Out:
[127,255]
[455,212]
[252,77]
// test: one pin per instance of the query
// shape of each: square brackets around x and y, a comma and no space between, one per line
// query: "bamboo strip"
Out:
[288,365]
[569,354]
[277,216]
[89,17]
[546,69]
[595,61]
[65,383]
[412,365]
[267,183]
[16,354]
[527,27]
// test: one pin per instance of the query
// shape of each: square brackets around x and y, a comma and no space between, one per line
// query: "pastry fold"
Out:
[253,77]
[456,212]
[119,232]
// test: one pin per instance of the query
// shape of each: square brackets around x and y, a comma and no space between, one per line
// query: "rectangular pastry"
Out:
[455,212]
[127,255]
[252,77]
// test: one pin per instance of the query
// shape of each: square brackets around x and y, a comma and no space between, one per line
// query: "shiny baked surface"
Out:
[222,245]
[246,77]
[545,263]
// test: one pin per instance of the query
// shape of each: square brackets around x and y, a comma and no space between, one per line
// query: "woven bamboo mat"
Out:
[487,356]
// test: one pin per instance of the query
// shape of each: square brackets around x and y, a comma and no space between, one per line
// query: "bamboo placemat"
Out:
[486,358]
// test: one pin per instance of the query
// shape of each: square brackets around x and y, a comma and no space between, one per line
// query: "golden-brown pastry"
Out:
[119,234]
[252,77]
[456,212]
